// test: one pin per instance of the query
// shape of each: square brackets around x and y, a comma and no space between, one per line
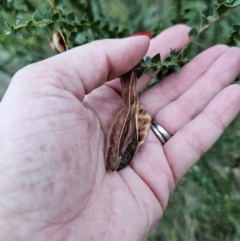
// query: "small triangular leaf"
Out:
[232,3]
[209,18]
[164,70]
[140,68]
[37,16]
[59,3]
[156,58]
[29,29]
[71,17]
[51,26]
[139,72]
[96,24]
[8,25]
[84,22]
[173,55]
[193,32]
[8,32]
[19,22]
[176,68]
[47,15]
[222,9]
[148,60]
[236,27]
[80,28]
[55,17]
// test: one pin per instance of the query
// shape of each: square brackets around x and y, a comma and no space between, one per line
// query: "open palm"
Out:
[53,124]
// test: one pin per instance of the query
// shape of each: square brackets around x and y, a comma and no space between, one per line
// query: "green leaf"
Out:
[209,18]
[79,28]
[29,29]
[51,27]
[233,3]
[19,22]
[173,55]
[8,25]
[96,24]
[73,35]
[37,16]
[221,1]
[68,27]
[165,64]
[59,3]
[193,32]
[140,68]
[148,60]
[106,26]
[84,22]
[139,72]
[156,58]
[151,70]
[164,70]
[123,33]
[55,17]
[236,27]
[47,15]
[167,60]
[71,17]
[29,23]
[8,32]
[141,64]
[204,19]
[221,9]
[176,68]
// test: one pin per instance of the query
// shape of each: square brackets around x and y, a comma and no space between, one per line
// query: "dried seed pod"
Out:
[123,128]
[130,127]
[57,43]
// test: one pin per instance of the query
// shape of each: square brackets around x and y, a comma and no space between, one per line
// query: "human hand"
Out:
[53,125]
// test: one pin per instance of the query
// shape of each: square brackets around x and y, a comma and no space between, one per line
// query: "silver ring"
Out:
[160,132]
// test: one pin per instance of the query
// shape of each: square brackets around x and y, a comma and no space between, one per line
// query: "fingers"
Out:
[172,38]
[196,137]
[85,68]
[177,83]
[193,100]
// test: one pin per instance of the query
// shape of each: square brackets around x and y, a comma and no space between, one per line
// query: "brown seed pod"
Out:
[130,127]
[57,43]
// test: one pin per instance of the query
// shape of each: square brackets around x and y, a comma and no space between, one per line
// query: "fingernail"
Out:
[149,34]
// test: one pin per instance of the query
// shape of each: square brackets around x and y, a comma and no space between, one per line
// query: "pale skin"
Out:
[53,124]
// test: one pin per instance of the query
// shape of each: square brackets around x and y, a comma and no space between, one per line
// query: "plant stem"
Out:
[32,24]
[190,40]
[53,6]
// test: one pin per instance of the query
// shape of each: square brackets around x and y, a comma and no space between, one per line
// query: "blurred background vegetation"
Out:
[206,203]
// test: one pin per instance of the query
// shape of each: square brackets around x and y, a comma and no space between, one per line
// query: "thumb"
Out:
[82,69]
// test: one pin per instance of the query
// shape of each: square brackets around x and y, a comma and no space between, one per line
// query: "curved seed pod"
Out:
[123,128]
[121,136]
[58,43]
[130,127]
